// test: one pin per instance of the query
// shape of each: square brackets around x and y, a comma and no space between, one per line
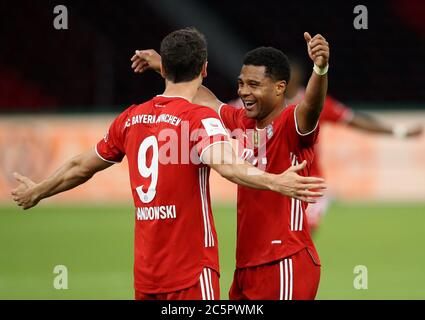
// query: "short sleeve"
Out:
[111,147]
[335,111]
[207,130]
[231,116]
[296,139]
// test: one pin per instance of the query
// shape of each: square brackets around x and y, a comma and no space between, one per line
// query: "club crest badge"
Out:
[269,130]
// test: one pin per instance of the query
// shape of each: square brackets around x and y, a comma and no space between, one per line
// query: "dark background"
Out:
[87,67]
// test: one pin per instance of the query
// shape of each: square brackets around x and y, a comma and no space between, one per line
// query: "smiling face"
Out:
[260,93]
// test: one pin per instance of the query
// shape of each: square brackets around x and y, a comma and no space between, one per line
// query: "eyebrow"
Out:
[249,80]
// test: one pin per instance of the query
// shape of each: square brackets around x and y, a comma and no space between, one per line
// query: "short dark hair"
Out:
[183,53]
[274,60]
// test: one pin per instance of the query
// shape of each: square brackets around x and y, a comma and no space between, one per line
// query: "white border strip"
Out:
[203,207]
[296,125]
[209,146]
[281,280]
[201,280]
[164,96]
[108,161]
[205,196]
[219,111]
[206,284]
[211,286]
[291,279]
[286,279]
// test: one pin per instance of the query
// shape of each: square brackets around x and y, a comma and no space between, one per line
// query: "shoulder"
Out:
[227,111]
[196,111]
[289,112]
[231,108]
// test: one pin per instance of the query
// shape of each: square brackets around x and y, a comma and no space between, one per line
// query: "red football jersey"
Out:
[270,226]
[175,237]
[336,112]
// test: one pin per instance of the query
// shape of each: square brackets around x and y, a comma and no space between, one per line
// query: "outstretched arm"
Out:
[368,123]
[73,173]
[222,159]
[144,60]
[308,111]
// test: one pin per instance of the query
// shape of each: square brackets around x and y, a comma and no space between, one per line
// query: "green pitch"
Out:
[96,244]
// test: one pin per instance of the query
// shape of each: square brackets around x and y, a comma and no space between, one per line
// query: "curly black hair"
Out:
[274,60]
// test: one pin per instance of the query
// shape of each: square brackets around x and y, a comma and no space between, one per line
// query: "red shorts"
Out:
[294,278]
[207,288]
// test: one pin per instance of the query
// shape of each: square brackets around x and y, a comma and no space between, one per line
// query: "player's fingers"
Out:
[21,178]
[137,63]
[306,199]
[318,36]
[315,180]
[27,182]
[318,48]
[316,41]
[318,45]
[299,167]
[145,53]
[312,194]
[314,186]
[321,53]
[142,68]
[307,37]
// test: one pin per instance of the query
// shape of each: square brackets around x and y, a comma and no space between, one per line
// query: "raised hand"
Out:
[24,195]
[146,60]
[318,49]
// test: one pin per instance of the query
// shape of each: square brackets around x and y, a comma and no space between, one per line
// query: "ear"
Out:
[161,68]
[204,72]
[280,88]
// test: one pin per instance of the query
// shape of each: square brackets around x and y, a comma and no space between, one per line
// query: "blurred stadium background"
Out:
[59,91]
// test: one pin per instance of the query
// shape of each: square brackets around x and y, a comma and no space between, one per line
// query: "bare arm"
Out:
[222,159]
[73,173]
[368,123]
[144,60]
[309,109]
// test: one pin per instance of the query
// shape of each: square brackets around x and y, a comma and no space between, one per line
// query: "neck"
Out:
[186,90]
[261,124]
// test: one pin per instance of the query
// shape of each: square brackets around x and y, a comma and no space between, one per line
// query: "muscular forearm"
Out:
[247,176]
[67,177]
[315,95]
[370,124]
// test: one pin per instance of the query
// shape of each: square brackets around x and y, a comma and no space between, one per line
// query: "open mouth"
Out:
[249,105]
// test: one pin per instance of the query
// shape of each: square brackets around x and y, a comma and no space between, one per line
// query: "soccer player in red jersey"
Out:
[335,111]
[275,255]
[171,144]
